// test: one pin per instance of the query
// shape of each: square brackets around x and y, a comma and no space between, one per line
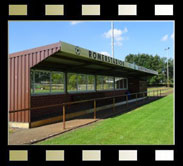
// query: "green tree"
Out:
[155,63]
[72,81]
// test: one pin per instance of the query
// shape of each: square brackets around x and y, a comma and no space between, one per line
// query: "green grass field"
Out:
[151,124]
[163,90]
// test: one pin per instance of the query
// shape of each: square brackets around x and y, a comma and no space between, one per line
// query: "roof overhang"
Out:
[70,58]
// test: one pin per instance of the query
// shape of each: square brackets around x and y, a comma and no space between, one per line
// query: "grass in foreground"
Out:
[165,89]
[150,124]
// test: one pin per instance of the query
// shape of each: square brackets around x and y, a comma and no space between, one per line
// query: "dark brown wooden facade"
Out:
[20,65]
[19,78]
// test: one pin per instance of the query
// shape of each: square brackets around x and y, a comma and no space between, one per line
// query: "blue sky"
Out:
[129,36]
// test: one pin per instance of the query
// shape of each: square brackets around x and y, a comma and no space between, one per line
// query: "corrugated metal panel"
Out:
[19,83]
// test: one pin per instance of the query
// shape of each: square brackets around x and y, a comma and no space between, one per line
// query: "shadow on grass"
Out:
[119,110]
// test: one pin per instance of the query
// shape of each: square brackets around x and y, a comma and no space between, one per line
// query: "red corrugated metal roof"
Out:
[37,49]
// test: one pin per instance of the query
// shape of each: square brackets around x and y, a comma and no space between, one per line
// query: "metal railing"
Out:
[145,94]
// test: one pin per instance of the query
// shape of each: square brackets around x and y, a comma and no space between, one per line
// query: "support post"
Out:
[113,103]
[29,118]
[65,82]
[95,115]
[63,116]
[95,85]
[127,100]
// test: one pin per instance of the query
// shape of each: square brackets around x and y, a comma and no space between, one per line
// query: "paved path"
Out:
[29,136]
[33,135]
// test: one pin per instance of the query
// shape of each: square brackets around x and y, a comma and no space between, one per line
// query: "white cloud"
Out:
[164,38]
[117,35]
[75,22]
[105,53]
[172,36]
[167,37]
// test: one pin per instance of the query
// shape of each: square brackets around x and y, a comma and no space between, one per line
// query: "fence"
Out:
[161,85]
[136,96]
